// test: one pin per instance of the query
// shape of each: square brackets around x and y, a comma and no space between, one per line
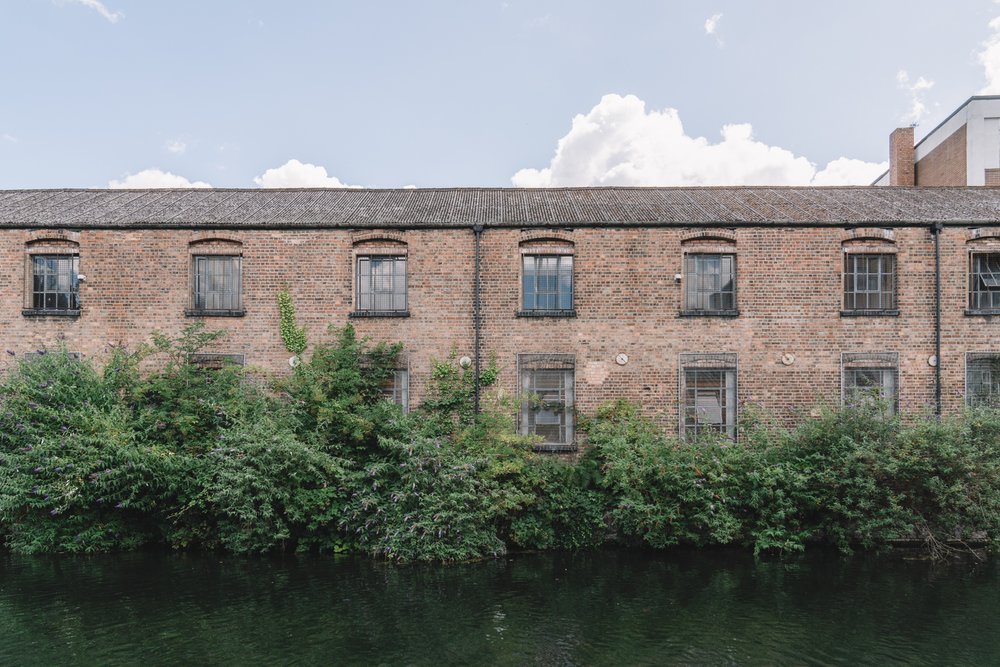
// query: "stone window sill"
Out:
[190,312]
[869,313]
[974,312]
[380,313]
[546,313]
[708,313]
[42,312]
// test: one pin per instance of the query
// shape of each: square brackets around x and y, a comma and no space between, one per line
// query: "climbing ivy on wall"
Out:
[292,335]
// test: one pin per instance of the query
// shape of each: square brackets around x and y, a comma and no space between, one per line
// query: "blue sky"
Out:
[388,94]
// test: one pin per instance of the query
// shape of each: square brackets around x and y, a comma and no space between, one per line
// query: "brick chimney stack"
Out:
[901,157]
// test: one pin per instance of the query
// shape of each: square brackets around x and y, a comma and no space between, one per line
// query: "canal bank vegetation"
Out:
[152,451]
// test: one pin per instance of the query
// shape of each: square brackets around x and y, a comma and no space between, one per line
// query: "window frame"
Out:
[73,294]
[373,294]
[851,296]
[194,310]
[881,362]
[973,309]
[726,363]
[690,286]
[993,396]
[528,366]
[398,392]
[531,309]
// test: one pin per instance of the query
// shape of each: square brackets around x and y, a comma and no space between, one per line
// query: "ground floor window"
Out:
[707,394]
[547,398]
[870,377]
[397,388]
[982,378]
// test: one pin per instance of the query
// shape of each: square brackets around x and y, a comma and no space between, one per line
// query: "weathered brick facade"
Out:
[946,164]
[789,334]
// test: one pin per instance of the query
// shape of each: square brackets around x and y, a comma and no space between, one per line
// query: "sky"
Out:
[541,93]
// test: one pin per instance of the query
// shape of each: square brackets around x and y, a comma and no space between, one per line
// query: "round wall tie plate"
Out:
[788,359]
[621,359]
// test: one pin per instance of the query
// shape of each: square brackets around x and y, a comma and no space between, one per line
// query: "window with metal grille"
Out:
[709,284]
[54,283]
[547,283]
[547,386]
[381,284]
[708,394]
[982,378]
[869,282]
[870,377]
[217,285]
[397,388]
[984,282]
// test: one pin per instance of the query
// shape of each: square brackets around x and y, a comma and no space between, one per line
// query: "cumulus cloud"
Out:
[156,178]
[712,28]
[176,147]
[916,90]
[712,23]
[989,58]
[619,143]
[9,138]
[100,8]
[295,174]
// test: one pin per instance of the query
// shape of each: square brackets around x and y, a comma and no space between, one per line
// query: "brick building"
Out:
[691,301]
[964,149]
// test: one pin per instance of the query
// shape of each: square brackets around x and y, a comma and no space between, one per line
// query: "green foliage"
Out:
[155,450]
[292,335]
[73,479]
[337,394]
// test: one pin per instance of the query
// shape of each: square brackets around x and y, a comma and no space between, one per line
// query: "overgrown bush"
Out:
[195,458]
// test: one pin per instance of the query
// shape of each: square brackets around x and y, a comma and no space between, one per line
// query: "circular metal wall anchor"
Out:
[788,359]
[932,360]
[621,359]
[465,362]
[294,361]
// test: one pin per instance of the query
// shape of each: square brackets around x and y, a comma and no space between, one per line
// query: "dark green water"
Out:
[604,608]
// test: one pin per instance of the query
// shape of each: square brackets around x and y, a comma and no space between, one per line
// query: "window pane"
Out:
[710,282]
[547,282]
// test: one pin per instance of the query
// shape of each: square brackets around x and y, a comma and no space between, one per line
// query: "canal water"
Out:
[595,608]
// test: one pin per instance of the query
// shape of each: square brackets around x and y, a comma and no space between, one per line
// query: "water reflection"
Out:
[607,607]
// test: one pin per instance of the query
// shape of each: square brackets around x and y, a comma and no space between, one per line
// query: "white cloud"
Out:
[916,90]
[989,58]
[100,8]
[712,28]
[619,143]
[8,138]
[848,171]
[712,24]
[295,174]
[176,147]
[156,178]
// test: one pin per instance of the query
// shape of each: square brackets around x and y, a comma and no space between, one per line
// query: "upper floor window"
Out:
[381,285]
[871,377]
[547,282]
[982,378]
[709,284]
[869,283]
[54,285]
[548,390]
[708,394]
[217,286]
[984,282]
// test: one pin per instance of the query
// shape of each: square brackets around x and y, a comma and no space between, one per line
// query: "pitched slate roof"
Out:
[497,207]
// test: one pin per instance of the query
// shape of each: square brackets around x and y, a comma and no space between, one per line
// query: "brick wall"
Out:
[789,297]
[946,164]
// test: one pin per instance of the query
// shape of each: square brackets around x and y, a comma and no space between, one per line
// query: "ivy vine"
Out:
[293,336]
